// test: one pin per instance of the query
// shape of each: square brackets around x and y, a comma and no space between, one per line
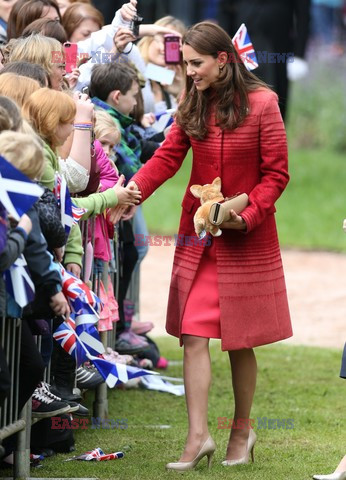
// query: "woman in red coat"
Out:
[233,289]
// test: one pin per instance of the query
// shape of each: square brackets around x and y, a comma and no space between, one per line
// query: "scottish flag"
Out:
[17,192]
[18,282]
[115,373]
[244,47]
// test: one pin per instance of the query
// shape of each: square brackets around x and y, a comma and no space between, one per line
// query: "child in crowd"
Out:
[114,88]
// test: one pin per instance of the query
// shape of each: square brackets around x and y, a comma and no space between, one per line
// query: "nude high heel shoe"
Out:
[331,476]
[250,449]
[207,449]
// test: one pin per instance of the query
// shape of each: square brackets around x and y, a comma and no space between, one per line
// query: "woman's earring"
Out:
[221,67]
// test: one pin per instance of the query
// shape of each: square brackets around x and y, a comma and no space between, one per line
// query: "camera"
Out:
[134,25]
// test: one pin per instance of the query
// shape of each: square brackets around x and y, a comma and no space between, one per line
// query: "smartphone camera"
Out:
[134,25]
[172,49]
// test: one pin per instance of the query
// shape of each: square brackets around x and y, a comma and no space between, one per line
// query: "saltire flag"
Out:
[244,47]
[85,320]
[115,373]
[74,288]
[17,192]
[70,213]
[18,282]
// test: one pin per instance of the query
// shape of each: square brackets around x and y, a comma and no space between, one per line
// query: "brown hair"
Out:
[24,12]
[24,87]
[27,69]
[45,109]
[76,13]
[230,90]
[107,77]
[47,27]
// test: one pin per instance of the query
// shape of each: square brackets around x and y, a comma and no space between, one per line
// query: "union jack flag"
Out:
[17,192]
[70,213]
[244,47]
[65,334]
[74,288]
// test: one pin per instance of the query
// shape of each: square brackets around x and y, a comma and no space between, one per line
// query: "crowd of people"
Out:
[77,105]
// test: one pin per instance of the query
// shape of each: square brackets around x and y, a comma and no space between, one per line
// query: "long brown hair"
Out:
[24,12]
[230,91]
[76,13]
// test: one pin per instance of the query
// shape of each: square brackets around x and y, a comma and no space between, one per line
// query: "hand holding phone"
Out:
[172,49]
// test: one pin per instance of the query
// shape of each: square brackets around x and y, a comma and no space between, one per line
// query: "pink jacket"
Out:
[108,178]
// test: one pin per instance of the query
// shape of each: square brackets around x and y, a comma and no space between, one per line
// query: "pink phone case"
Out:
[71,51]
[172,49]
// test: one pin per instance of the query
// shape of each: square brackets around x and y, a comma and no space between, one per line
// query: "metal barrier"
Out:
[12,421]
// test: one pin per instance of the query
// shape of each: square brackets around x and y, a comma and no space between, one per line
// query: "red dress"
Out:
[202,310]
[250,283]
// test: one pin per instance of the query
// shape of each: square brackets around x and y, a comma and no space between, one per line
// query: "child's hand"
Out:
[126,196]
[85,109]
[59,305]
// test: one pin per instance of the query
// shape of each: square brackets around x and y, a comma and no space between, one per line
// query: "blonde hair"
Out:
[17,87]
[105,125]
[167,21]
[45,109]
[37,48]
[24,152]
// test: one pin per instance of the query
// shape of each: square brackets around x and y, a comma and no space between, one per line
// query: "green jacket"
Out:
[74,247]
[96,203]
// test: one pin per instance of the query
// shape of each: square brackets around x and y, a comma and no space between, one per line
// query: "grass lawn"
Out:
[309,213]
[299,383]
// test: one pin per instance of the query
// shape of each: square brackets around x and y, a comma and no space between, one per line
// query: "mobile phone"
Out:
[85,90]
[172,49]
[71,51]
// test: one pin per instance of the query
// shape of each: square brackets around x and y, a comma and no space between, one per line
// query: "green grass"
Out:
[310,212]
[299,383]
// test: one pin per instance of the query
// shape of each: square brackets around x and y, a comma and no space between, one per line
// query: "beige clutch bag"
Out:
[219,212]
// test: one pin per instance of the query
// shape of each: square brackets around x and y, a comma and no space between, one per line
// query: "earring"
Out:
[221,67]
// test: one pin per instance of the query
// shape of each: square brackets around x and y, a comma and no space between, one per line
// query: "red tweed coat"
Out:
[251,159]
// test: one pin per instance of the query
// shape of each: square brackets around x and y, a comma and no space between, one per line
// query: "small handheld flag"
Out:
[244,47]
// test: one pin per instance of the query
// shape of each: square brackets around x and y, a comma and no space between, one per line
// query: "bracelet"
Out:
[83,126]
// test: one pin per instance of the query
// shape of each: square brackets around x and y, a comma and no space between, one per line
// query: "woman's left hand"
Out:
[236,222]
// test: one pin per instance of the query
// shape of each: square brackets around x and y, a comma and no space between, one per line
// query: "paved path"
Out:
[316,285]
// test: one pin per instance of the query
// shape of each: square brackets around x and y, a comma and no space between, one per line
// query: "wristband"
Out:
[83,126]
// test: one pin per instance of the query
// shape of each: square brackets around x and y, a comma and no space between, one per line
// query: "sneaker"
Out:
[44,406]
[44,387]
[88,378]
[140,328]
[124,347]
